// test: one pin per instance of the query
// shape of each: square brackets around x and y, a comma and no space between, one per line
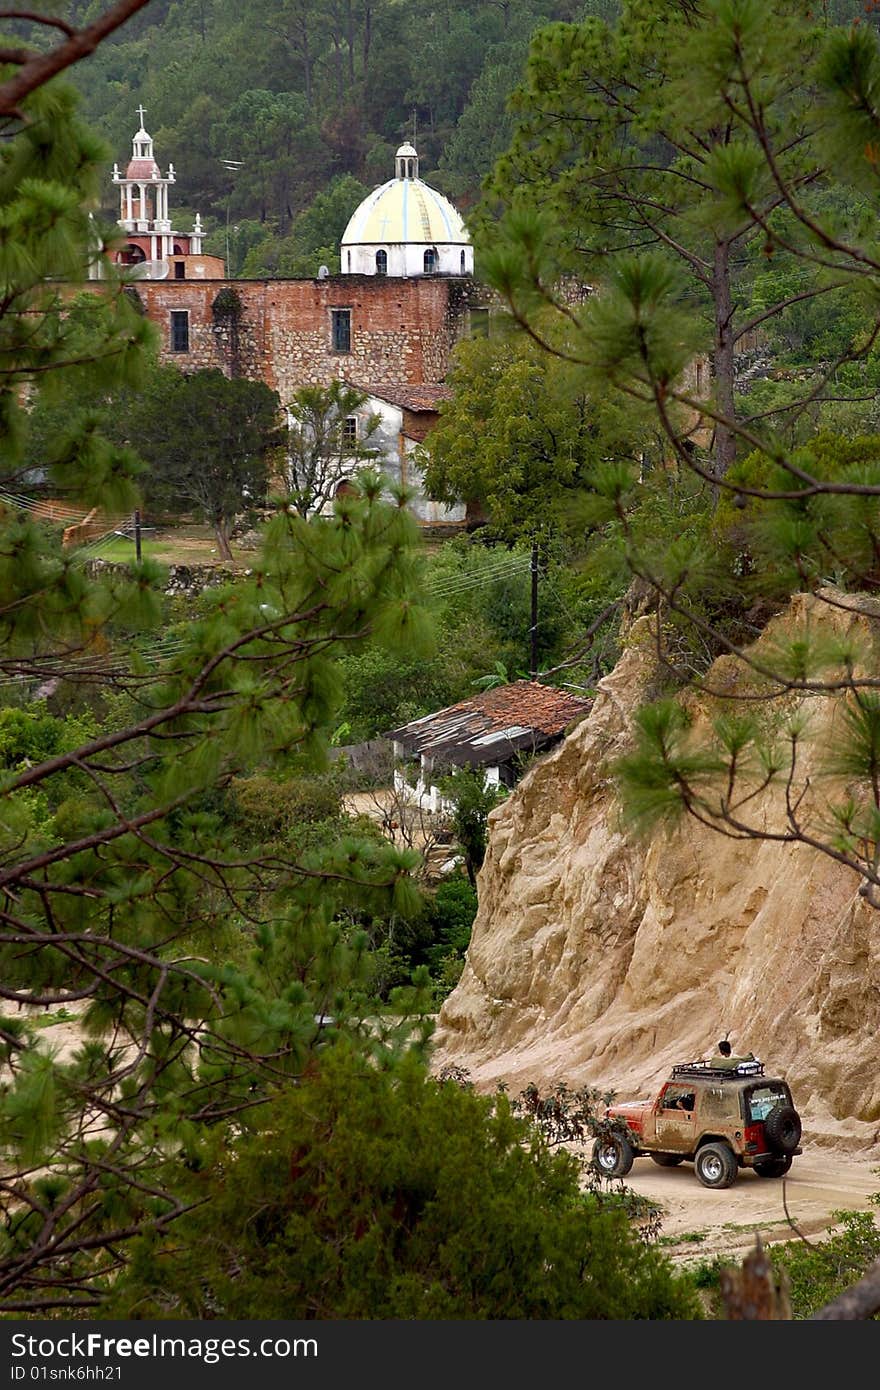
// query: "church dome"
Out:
[405,227]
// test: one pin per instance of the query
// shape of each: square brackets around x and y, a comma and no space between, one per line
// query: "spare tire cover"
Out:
[782,1129]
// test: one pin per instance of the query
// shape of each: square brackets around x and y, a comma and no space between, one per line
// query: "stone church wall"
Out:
[281,332]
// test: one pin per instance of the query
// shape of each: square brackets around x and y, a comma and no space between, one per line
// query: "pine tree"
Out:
[768,128]
[201,978]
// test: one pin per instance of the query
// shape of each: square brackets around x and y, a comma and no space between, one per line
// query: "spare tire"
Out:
[782,1129]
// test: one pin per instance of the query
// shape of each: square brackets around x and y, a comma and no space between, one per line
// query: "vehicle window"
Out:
[761,1099]
[717,1104]
[677,1098]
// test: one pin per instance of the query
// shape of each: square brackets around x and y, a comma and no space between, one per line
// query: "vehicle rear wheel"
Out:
[613,1155]
[782,1129]
[715,1165]
[773,1167]
[668,1160]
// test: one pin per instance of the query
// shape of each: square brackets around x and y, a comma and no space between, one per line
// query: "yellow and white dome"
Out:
[405,227]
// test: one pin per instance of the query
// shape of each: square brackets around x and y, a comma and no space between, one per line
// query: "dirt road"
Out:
[704,1223]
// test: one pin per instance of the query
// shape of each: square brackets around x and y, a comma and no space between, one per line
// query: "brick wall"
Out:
[402,330]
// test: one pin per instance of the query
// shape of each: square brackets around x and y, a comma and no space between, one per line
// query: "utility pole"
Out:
[232,166]
[534,627]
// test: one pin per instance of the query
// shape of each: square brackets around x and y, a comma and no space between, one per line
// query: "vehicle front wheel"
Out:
[715,1165]
[613,1155]
[773,1167]
[668,1160]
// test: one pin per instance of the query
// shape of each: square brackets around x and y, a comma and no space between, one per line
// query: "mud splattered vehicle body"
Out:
[719,1118]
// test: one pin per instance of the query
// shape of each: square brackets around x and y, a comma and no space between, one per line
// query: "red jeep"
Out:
[720,1118]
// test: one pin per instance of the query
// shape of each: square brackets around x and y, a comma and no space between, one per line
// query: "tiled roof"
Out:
[424,397]
[141,169]
[491,726]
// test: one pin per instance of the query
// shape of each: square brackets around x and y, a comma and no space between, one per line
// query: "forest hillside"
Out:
[308,100]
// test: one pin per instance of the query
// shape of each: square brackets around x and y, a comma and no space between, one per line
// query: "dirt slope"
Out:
[599,959]
[724,1223]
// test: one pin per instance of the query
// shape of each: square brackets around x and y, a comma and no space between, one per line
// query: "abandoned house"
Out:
[496,731]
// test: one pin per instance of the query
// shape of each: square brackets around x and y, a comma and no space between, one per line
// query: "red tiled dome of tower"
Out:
[142,169]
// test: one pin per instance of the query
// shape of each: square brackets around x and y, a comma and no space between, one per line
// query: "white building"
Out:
[405,415]
[405,227]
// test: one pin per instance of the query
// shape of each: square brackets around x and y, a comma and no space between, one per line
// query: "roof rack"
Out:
[700,1068]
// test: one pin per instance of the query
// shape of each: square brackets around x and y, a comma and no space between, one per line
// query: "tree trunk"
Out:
[724,452]
[349,38]
[222,534]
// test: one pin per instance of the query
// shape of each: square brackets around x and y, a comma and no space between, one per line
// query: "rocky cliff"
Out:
[599,958]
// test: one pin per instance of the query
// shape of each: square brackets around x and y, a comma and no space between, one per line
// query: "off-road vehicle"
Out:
[720,1118]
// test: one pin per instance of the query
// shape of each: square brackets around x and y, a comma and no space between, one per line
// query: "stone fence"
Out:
[182,580]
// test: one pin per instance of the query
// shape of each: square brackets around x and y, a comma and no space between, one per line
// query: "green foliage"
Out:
[314,236]
[306,96]
[383,691]
[31,735]
[186,885]
[472,800]
[632,167]
[652,779]
[210,442]
[796,543]
[519,434]
[449,915]
[817,1272]
[269,807]
[369,1193]
[322,450]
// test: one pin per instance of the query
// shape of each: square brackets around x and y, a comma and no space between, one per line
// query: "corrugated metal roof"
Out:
[523,715]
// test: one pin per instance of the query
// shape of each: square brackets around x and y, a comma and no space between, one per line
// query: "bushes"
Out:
[387,1194]
[814,1272]
[818,1273]
[266,807]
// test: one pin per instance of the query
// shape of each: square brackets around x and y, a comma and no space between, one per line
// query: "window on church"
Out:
[462,263]
[478,323]
[430,261]
[179,270]
[180,330]
[350,430]
[340,329]
[381,262]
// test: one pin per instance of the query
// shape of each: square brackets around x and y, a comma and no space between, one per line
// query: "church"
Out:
[386,325]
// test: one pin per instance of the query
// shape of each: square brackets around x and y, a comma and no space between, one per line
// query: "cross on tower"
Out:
[140,111]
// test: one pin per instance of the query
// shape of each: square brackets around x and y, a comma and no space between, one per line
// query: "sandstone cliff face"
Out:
[600,959]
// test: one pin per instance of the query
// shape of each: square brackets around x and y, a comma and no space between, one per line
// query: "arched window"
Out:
[348,254]
[430,261]
[381,262]
[462,263]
